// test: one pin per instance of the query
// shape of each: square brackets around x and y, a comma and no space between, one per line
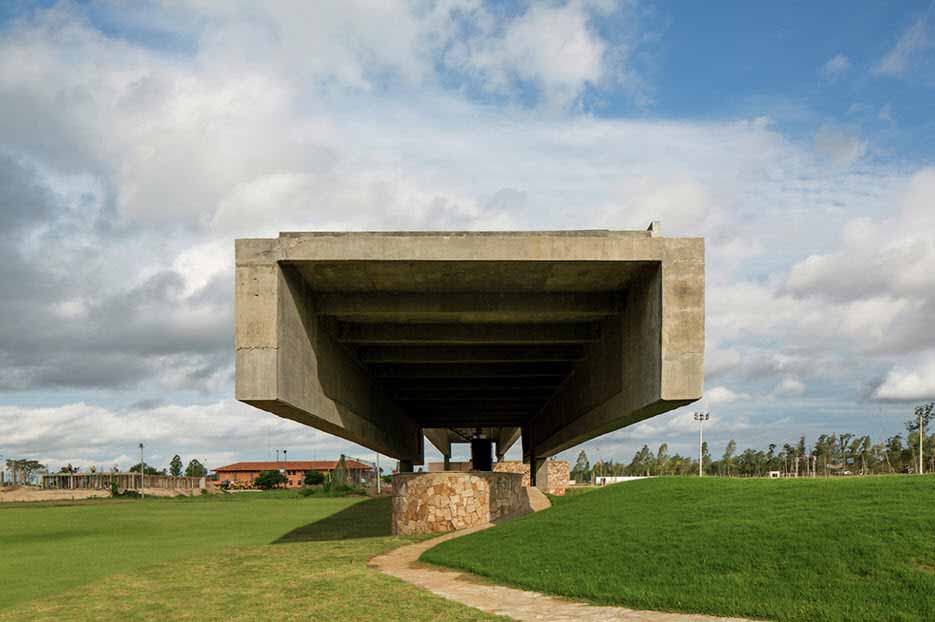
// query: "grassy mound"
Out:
[846,549]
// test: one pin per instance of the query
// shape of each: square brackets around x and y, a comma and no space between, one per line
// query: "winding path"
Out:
[402,563]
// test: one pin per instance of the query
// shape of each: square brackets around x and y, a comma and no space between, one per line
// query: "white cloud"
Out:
[789,386]
[836,67]
[841,146]
[723,395]
[216,433]
[905,384]
[551,46]
[915,40]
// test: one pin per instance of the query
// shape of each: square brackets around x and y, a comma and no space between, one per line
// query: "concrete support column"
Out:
[405,466]
[481,454]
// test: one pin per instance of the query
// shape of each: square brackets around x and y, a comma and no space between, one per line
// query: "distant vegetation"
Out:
[830,454]
[830,550]
[314,478]
[270,479]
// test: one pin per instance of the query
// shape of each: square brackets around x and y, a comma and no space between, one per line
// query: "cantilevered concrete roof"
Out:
[553,336]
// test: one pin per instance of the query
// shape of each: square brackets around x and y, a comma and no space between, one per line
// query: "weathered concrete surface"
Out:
[387,338]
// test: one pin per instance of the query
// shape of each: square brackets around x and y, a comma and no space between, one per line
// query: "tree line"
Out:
[829,454]
[23,471]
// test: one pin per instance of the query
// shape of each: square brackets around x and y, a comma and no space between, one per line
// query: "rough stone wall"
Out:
[552,477]
[431,502]
[513,466]
[556,477]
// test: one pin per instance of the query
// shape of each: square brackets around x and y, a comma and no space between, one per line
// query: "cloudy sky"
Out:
[137,140]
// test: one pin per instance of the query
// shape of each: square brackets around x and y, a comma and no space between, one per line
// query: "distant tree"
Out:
[916,427]
[662,459]
[175,466]
[642,463]
[22,470]
[195,469]
[314,478]
[339,475]
[581,472]
[147,470]
[269,479]
[728,459]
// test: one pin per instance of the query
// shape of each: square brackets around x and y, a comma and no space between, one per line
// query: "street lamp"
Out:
[701,418]
[142,469]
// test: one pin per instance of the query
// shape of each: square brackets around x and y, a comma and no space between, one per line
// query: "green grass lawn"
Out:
[841,549]
[243,557]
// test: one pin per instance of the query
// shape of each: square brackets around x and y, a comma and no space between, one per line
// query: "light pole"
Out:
[285,466]
[921,438]
[701,418]
[378,473]
[142,468]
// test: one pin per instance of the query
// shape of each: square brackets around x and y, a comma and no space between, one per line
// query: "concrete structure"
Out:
[243,474]
[482,338]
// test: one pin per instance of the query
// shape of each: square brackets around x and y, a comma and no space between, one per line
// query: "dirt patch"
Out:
[21,494]
[28,493]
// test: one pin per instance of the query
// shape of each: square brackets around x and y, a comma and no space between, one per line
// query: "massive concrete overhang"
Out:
[555,337]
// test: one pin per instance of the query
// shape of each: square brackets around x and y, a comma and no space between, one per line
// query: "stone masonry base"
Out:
[448,501]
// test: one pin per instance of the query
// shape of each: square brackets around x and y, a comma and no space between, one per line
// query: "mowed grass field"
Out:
[250,556]
[831,550]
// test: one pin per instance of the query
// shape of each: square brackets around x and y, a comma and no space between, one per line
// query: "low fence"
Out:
[124,481]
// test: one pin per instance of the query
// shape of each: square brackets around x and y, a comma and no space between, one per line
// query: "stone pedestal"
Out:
[552,477]
[447,501]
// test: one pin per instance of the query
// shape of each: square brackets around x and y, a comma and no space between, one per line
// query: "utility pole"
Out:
[921,438]
[701,418]
[378,474]
[142,469]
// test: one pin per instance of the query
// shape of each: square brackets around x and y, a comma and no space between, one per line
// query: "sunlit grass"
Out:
[843,549]
[241,557]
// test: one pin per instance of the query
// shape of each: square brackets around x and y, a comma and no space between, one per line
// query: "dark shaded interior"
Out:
[490,353]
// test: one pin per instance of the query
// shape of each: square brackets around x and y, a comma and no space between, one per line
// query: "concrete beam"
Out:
[440,438]
[508,383]
[468,334]
[505,438]
[473,307]
[500,370]
[472,420]
[288,366]
[467,354]
[454,395]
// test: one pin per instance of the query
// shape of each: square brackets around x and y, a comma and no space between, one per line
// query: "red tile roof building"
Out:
[244,473]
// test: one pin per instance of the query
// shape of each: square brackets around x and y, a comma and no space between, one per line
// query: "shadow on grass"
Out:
[367,519]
